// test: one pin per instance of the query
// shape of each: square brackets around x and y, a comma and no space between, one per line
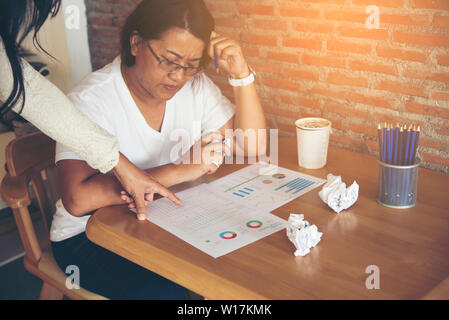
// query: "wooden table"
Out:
[410,247]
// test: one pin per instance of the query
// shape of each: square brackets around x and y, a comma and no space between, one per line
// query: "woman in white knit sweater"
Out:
[24,91]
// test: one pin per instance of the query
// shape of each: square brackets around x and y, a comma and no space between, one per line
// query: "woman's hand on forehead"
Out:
[229,55]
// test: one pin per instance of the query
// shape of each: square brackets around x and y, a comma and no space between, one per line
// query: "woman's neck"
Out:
[137,90]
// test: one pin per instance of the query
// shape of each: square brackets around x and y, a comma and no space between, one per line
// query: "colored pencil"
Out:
[384,141]
[379,136]
[412,146]
[395,143]
[382,184]
[388,154]
[395,162]
[400,158]
[415,147]
[410,172]
[217,68]
[405,179]
[401,145]
[407,147]
[387,160]
[379,133]
[391,143]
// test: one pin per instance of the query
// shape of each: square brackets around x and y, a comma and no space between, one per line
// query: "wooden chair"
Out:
[28,159]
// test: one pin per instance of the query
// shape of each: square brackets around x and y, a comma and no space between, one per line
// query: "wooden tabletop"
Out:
[410,247]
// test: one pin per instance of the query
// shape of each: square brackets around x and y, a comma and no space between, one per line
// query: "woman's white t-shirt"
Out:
[198,108]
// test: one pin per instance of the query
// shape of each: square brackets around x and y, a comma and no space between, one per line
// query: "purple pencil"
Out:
[412,145]
[407,145]
[395,162]
[415,146]
[379,132]
[384,142]
[390,147]
[387,155]
[401,145]
[395,144]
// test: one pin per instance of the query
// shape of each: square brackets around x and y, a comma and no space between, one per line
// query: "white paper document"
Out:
[233,211]
[212,224]
[265,187]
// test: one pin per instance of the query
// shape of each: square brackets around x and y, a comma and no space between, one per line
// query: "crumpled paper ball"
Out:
[301,234]
[336,195]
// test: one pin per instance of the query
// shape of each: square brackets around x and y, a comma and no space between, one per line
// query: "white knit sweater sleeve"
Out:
[47,108]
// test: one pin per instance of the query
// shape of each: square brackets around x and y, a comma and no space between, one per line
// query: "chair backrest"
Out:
[31,157]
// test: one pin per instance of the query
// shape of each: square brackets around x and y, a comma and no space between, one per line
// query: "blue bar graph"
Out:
[244,192]
[297,184]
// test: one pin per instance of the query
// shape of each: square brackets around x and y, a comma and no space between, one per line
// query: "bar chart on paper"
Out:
[296,185]
[243,192]
[265,189]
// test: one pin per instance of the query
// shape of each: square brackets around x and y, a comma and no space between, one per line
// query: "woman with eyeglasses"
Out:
[24,91]
[169,119]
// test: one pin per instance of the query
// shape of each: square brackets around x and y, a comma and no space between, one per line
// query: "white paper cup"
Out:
[313,140]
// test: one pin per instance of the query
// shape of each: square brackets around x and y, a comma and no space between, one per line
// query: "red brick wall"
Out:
[318,58]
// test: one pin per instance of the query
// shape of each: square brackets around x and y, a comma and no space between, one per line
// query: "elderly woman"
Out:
[155,87]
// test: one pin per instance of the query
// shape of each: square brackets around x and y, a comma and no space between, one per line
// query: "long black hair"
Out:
[17,19]
[151,18]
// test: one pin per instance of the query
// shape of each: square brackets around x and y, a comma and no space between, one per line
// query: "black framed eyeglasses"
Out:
[172,67]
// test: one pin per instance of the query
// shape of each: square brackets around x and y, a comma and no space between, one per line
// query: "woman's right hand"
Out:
[140,186]
[212,153]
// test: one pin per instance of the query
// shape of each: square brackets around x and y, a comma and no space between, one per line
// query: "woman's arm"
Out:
[84,189]
[48,109]
[249,118]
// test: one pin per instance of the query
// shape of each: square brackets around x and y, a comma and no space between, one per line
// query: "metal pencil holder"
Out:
[398,185]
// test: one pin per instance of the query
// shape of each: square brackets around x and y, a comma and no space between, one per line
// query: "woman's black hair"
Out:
[151,18]
[17,19]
